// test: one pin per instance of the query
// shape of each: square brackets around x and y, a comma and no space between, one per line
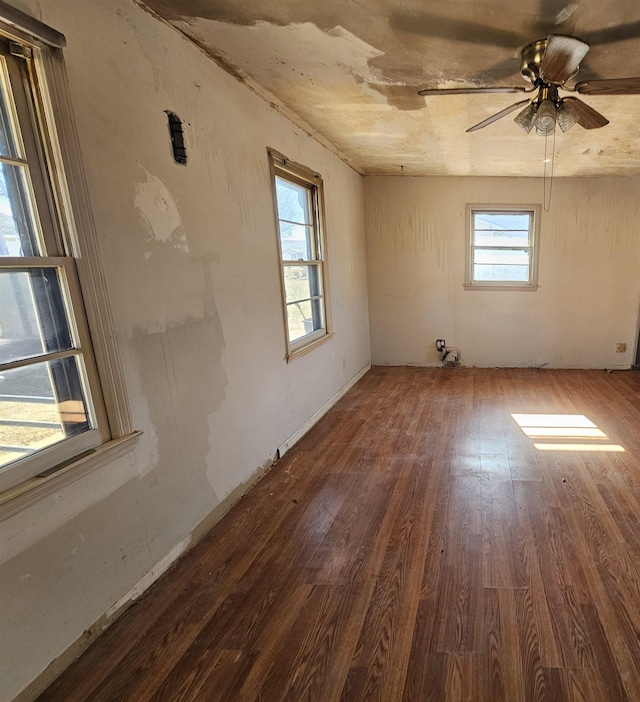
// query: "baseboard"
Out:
[302,430]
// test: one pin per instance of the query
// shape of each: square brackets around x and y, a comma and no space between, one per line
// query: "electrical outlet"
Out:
[621,347]
[440,345]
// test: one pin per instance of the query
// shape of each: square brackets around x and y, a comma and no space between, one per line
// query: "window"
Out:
[298,203]
[502,246]
[51,407]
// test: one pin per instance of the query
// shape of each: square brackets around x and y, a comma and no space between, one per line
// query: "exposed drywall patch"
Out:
[160,213]
[185,375]
[181,310]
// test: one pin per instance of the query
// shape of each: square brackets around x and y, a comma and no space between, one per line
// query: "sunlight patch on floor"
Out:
[562,428]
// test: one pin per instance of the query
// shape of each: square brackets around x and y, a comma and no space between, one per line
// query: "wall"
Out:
[191,266]
[589,257]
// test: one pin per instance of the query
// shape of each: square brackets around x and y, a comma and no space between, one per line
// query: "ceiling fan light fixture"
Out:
[567,116]
[524,119]
[545,119]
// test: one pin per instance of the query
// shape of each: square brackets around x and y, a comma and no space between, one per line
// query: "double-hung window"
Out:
[50,400]
[502,246]
[299,211]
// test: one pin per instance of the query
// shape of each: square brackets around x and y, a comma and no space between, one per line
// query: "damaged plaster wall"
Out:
[588,295]
[191,265]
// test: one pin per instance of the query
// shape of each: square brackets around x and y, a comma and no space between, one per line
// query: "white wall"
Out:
[588,296]
[191,265]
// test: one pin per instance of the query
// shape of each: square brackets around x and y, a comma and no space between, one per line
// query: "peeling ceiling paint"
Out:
[351,72]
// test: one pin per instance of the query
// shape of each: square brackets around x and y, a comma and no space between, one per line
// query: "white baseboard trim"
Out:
[301,431]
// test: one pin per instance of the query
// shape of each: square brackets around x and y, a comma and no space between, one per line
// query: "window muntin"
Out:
[50,404]
[502,246]
[298,208]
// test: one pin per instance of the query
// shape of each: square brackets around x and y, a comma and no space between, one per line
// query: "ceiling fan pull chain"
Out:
[546,201]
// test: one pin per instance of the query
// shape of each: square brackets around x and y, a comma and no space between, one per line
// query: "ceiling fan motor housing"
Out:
[531,58]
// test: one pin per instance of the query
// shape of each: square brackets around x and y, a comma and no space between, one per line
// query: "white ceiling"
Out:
[349,71]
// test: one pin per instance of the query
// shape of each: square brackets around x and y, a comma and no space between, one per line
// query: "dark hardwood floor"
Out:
[418,544]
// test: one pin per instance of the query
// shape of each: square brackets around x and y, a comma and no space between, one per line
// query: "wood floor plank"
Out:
[418,545]
[462,682]
[503,543]
[531,652]
[460,582]
[531,517]
[504,672]
[388,629]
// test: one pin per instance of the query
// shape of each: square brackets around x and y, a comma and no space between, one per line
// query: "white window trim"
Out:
[72,201]
[280,163]
[534,210]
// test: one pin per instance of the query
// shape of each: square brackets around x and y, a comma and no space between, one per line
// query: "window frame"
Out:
[533,211]
[297,174]
[52,124]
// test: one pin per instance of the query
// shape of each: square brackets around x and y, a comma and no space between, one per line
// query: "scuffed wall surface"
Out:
[190,260]
[589,257]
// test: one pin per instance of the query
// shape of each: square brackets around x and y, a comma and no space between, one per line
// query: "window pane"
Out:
[296,242]
[501,238]
[293,201]
[301,282]
[40,405]
[33,317]
[304,318]
[518,257]
[18,233]
[8,142]
[502,229]
[497,273]
[496,221]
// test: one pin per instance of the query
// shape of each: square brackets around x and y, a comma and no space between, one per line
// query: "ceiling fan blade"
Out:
[561,58]
[497,116]
[587,116]
[609,86]
[611,35]
[471,91]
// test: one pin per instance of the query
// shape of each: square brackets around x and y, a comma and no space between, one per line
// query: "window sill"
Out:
[31,491]
[502,288]
[303,350]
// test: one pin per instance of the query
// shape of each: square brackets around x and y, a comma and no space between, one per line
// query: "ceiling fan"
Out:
[548,64]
